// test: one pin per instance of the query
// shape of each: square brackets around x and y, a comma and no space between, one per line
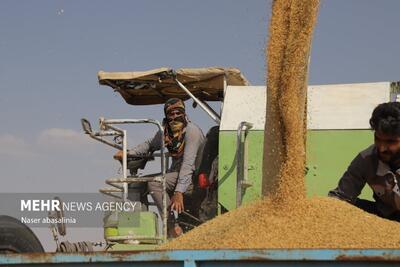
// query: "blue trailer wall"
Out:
[190,258]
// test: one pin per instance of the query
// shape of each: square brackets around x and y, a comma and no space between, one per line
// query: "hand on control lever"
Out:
[177,202]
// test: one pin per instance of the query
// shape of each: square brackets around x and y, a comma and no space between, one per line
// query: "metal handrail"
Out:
[163,167]
[240,160]
[107,128]
[131,180]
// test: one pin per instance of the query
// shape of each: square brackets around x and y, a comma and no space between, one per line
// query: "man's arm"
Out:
[352,181]
[193,140]
[150,145]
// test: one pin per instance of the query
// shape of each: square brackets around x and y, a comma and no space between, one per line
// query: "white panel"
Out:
[337,106]
[244,103]
[344,106]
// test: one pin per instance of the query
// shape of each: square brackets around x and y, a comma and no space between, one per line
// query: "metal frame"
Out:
[214,115]
[107,128]
[106,123]
[241,160]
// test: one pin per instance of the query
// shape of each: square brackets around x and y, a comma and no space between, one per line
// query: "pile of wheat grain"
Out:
[319,222]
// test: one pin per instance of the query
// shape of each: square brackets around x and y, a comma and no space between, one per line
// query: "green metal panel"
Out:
[137,223]
[131,247]
[131,223]
[329,152]
[227,167]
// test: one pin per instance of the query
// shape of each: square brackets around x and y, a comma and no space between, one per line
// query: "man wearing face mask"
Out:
[378,166]
[183,139]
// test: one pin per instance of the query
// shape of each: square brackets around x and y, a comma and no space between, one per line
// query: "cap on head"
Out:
[172,104]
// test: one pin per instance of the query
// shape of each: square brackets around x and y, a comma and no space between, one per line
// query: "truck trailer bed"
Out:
[191,258]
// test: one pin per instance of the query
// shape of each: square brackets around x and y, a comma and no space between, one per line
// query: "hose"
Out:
[67,247]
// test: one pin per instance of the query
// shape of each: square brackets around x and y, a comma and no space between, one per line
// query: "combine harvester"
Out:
[338,128]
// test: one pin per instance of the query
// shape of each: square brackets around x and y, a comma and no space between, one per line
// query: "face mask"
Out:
[176,123]
[176,126]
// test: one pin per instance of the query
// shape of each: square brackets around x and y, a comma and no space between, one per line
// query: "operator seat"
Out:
[209,154]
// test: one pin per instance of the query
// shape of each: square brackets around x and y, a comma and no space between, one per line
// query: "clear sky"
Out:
[50,52]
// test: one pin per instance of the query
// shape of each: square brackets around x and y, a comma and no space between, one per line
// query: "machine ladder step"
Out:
[131,180]
[111,190]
